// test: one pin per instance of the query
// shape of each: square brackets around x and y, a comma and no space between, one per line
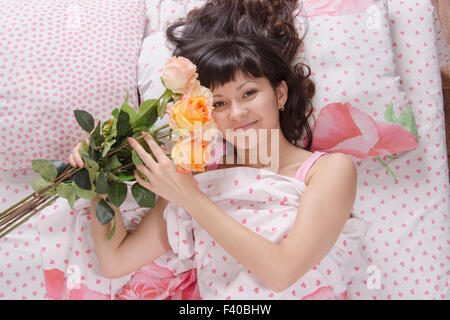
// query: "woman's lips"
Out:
[246,126]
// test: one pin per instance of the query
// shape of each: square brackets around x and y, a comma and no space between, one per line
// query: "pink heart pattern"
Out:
[413,264]
[56,57]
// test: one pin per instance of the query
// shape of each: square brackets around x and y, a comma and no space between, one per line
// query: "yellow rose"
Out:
[191,154]
[186,112]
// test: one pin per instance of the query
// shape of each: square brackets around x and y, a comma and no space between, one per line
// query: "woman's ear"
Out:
[282,93]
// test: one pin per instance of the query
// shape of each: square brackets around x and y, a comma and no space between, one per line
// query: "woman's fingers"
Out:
[77,156]
[141,181]
[71,161]
[156,149]
[144,155]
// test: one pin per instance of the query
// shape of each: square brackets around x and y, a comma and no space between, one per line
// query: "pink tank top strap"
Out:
[304,168]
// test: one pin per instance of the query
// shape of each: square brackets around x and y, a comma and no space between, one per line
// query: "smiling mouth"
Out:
[246,126]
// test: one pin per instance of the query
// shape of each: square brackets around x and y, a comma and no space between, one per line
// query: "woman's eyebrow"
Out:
[219,95]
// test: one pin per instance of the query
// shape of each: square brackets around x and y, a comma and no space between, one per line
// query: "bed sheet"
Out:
[410,234]
[21,275]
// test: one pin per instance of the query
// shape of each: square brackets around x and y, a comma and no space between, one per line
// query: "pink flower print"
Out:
[343,128]
[57,289]
[311,8]
[325,293]
[154,282]
[82,292]
[56,283]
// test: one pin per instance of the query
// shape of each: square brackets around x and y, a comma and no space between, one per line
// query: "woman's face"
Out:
[245,105]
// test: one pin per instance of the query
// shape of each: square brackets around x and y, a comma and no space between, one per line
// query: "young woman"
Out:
[254,88]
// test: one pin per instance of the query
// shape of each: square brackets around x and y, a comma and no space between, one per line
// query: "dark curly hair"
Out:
[253,36]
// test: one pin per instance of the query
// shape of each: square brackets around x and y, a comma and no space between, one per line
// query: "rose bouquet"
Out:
[109,159]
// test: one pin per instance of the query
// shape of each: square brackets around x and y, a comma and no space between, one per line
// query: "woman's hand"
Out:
[164,178]
[75,159]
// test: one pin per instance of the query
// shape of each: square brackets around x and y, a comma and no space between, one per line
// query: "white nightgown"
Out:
[266,203]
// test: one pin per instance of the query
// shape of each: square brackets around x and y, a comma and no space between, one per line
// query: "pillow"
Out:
[58,56]
[154,54]
[360,107]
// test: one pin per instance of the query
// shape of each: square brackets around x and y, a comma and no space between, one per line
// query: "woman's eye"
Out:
[250,92]
[218,104]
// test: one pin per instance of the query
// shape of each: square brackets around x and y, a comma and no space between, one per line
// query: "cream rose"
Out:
[179,74]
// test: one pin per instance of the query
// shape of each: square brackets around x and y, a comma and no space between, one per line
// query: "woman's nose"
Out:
[237,111]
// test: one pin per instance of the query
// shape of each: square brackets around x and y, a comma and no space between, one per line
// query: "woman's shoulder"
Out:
[329,162]
[317,162]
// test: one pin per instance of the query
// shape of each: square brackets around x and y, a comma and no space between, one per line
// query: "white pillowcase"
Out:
[154,54]
[352,61]
[58,56]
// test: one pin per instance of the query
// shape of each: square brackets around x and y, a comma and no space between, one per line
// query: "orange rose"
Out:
[191,154]
[189,110]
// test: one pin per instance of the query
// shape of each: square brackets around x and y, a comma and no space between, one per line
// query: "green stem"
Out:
[159,128]
[123,167]
[31,213]
[386,166]
[20,210]
[141,136]
[25,203]
[17,204]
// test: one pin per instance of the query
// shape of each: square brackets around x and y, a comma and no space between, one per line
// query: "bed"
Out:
[90,63]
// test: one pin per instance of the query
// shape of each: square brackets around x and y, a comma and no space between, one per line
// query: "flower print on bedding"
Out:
[334,7]
[265,203]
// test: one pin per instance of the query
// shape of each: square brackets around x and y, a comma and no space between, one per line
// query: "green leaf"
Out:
[67,191]
[101,186]
[104,212]
[144,197]
[389,114]
[92,167]
[84,119]
[112,231]
[84,147]
[93,153]
[107,147]
[82,193]
[96,138]
[165,100]
[113,163]
[135,157]
[123,124]
[147,114]
[115,113]
[126,178]
[129,110]
[82,180]
[112,177]
[60,166]
[138,130]
[117,193]
[45,168]
[407,121]
[39,184]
